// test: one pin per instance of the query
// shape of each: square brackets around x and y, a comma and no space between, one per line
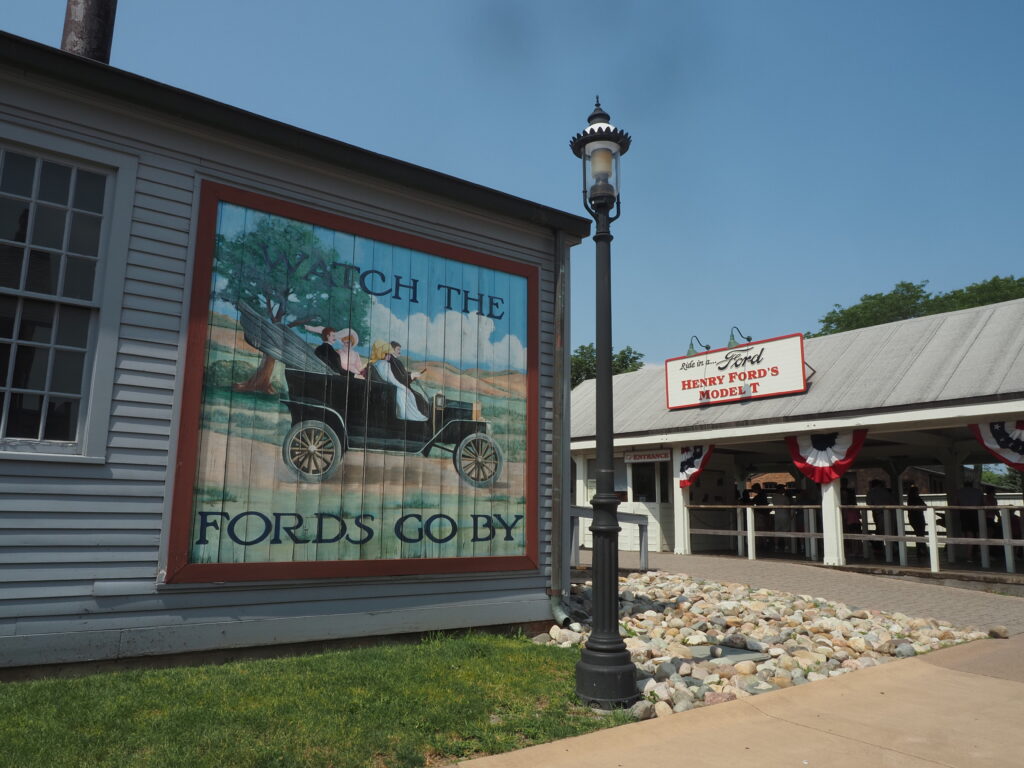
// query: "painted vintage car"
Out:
[333,413]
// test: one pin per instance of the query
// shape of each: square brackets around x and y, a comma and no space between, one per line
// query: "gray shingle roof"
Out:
[971,355]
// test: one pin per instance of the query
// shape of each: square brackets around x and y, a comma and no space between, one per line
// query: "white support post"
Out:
[681,515]
[899,516]
[751,545]
[986,558]
[687,531]
[741,540]
[574,538]
[582,500]
[933,540]
[865,545]
[901,530]
[812,525]
[1004,519]
[887,528]
[831,526]
[736,482]
[954,481]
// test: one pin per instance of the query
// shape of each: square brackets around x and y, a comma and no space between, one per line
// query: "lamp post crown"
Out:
[598,115]
[599,128]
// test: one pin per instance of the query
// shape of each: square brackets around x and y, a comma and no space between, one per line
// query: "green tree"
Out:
[283,269]
[584,362]
[904,301]
[909,300]
[1003,477]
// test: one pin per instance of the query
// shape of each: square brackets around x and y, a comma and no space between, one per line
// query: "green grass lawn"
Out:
[426,703]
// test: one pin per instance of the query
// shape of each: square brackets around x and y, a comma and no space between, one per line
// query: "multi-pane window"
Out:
[51,229]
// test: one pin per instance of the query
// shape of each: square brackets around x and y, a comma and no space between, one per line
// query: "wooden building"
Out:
[917,387]
[261,386]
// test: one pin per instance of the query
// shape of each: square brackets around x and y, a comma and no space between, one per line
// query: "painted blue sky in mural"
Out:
[438,309]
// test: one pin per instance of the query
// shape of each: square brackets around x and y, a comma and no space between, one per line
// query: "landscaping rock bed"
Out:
[697,643]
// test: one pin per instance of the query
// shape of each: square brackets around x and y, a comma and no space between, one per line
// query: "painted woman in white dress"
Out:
[380,354]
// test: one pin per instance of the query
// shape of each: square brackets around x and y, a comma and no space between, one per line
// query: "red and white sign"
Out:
[760,369]
[639,457]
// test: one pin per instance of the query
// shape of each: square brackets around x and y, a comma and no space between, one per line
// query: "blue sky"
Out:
[786,156]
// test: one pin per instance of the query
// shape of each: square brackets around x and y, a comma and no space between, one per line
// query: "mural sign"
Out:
[760,369]
[359,401]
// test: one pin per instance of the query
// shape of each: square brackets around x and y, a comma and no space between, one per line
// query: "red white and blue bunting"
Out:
[692,460]
[826,456]
[1004,440]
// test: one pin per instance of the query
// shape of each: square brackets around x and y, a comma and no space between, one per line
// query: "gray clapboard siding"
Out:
[149,380]
[161,205]
[75,472]
[154,289]
[166,178]
[176,223]
[137,394]
[145,253]
[154,233]
[41,575]
[149,303]
[27,596]
[82,559]
[115,616]
[81,519]
[63,554]
[155,277]
[82,538]
[146,458]
[141,426]
[147,190]
[134,441]
[79,503]
[106,607]
[141,597]
[141,333]
[147,351]
[154,320]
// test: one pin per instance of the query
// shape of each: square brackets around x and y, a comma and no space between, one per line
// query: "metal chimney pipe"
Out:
[89,28]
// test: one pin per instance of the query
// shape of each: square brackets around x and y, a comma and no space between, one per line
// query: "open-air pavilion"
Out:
[915,386]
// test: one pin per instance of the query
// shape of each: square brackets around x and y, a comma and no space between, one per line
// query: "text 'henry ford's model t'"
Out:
[333,412]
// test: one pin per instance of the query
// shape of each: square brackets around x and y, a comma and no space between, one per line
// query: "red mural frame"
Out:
[179,569]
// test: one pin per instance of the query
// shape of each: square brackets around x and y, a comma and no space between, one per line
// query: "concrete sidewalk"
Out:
[961,706]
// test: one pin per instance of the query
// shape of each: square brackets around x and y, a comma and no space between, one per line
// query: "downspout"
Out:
[561,459]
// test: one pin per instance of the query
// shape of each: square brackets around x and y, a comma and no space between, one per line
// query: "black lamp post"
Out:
[605,673]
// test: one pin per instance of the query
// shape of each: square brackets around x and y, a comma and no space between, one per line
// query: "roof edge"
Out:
[19,53]
[782,420]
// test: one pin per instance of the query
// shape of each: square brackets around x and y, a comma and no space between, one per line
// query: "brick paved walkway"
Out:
[959,606]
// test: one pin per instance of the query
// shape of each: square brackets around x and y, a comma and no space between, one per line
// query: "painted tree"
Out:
[281,268]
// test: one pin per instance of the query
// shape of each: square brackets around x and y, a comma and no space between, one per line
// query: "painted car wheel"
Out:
[478,460]
[313,450]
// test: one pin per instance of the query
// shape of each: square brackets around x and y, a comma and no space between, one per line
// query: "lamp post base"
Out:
[607,679]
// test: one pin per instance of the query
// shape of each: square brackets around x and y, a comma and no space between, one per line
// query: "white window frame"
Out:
[101,358]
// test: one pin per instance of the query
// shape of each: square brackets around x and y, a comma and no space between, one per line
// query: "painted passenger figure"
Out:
[345,360]
[405,402]
[405,377]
